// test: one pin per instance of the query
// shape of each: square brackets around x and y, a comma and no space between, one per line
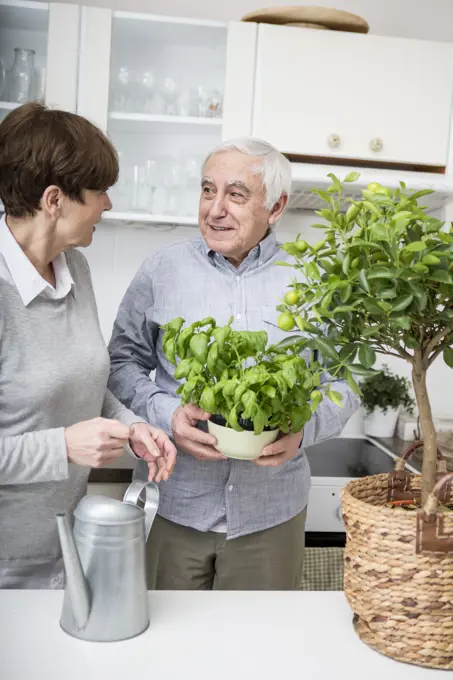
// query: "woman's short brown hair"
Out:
[40,147]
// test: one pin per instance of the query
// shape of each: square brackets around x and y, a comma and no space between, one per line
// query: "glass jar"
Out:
[21,77]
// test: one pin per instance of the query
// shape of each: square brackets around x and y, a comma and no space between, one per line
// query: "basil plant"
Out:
[235,375]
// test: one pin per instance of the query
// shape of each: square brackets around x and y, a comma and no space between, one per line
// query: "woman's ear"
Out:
[51,200]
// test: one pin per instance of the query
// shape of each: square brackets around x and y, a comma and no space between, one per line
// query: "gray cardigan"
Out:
[54,368]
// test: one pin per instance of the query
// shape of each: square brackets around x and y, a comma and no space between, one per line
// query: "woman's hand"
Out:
[93,443]
[154,446]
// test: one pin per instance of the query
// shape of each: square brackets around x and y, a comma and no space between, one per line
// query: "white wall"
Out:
[431,20]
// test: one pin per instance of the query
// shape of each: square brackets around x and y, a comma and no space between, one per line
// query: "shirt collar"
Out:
[258,256]
[26,278]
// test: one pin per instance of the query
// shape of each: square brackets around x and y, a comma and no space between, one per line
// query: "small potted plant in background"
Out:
[252,390]
[383,396]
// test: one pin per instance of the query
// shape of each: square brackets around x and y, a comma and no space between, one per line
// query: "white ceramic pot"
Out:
[380,424]
[242,445]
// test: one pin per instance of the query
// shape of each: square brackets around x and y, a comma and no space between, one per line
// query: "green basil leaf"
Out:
[183,369]
[170,350]
[183,341]
[199,346]
[176,324]
[208,400]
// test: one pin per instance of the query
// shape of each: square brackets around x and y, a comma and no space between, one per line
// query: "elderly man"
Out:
[223,524]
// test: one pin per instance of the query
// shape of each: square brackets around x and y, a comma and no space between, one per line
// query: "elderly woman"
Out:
[57,417]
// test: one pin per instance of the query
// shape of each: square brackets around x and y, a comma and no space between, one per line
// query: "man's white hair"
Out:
[274,168]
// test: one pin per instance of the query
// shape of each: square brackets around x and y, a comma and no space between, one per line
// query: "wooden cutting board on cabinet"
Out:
[310,17]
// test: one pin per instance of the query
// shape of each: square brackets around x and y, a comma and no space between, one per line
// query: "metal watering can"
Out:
[106,596]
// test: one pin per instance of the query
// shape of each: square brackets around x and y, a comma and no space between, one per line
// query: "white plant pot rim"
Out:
[243,445]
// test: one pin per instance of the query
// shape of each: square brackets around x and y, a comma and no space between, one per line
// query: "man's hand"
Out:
[189,438]
[154,446]
[280,451]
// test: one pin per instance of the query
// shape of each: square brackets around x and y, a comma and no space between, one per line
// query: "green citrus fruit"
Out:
[286,321]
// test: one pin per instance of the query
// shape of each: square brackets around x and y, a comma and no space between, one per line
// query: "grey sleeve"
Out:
[329,419]
[133,355]
[114,409]
[32,457]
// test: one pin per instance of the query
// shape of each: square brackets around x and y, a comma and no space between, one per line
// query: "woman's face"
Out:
[76,221]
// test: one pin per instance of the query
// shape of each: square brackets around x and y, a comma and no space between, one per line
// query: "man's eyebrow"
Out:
[207,180]
[239,185]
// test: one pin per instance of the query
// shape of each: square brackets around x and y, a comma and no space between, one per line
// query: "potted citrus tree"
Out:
[253,391]
[380,281]
[383,396]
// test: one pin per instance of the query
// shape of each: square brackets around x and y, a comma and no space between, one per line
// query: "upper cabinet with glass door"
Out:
[38,53]
[156,85]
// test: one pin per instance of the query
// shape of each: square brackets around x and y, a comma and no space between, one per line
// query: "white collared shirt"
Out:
[16,268]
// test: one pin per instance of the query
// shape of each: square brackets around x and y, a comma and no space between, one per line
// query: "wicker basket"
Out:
[399,567]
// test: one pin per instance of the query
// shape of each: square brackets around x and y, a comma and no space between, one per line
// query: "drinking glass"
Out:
[170,91]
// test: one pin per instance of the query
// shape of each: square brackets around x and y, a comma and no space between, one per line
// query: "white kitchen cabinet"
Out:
[333,95]
[51,31]
[155,85]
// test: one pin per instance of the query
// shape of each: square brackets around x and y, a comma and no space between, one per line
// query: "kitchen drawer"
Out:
[324,509]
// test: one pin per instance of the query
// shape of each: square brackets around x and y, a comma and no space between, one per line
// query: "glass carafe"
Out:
[21,77]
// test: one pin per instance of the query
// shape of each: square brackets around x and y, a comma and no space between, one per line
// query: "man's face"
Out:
[232,216]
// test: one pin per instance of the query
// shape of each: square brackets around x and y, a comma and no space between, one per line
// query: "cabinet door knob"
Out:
[334,141]
[376,144]
[339,513]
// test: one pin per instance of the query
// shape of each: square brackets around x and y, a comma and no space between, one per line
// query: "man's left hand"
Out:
[280,451]
[155,447]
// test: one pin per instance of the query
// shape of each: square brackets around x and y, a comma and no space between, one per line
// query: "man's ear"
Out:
[278,209]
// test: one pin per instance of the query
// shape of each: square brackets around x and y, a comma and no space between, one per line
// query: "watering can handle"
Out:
[147,492]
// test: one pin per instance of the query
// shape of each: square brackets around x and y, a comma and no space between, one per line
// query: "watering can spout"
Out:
[76,585]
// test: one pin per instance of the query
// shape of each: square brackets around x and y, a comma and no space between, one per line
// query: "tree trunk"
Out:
[428,432]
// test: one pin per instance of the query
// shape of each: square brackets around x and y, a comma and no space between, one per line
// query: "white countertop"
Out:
[201,636]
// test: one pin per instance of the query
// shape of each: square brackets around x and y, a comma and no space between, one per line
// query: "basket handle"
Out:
[431,534]
[400,480]
[433,498]
[400,463]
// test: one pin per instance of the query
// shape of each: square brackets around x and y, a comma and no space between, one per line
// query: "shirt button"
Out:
[237,278]
[230,488]
[238,317]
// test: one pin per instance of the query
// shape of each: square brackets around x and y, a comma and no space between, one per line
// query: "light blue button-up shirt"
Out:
[189,280]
